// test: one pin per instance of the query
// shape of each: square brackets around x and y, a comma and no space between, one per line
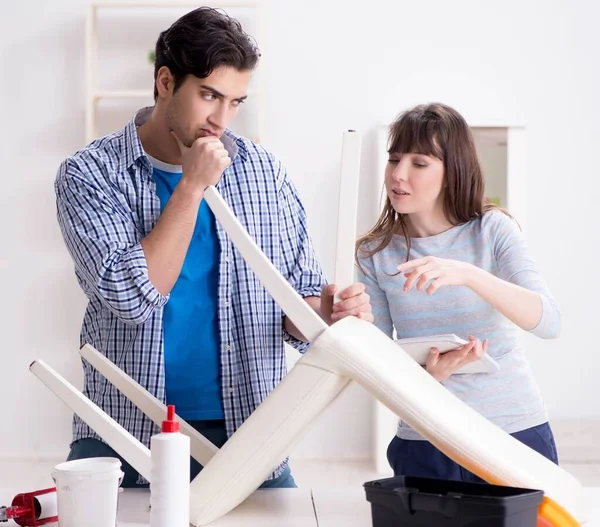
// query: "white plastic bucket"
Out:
[87,492]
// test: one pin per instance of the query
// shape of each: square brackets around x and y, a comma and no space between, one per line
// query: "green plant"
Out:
[151,57]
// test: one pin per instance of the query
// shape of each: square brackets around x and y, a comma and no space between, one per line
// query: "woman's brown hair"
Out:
[439,131]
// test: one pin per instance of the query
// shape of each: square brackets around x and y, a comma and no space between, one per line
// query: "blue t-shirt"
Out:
[190,317]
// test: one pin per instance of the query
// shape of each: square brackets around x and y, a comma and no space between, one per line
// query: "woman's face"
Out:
[414,182]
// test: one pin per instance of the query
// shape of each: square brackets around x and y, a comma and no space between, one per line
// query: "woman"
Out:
[442,259]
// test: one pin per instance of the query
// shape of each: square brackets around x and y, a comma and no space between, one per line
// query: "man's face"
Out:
[202,107]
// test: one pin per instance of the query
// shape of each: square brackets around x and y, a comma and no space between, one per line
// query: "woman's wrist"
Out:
[473,276]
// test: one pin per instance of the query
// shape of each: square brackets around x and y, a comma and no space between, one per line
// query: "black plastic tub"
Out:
[404,501]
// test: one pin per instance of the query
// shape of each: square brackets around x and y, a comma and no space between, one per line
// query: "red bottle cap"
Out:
[170,425]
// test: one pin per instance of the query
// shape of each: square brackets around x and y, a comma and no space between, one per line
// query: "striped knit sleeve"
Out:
[515,265]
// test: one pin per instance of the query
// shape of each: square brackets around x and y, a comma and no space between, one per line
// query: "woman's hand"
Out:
[438,271]
[442,365]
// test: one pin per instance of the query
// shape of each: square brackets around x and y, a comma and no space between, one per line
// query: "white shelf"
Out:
[123,94]
[175,3]
[93,95]
[136,94]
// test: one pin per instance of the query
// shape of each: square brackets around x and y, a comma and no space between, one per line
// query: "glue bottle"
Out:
[170,475]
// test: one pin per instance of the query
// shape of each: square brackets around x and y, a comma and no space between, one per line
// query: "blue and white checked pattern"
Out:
[106,204]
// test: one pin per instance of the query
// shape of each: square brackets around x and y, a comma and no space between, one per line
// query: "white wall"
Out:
[327,67]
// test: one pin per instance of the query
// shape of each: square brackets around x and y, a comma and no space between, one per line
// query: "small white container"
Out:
[170,476]
[87,492]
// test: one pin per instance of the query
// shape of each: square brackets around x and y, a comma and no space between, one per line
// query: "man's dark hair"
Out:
[201,41]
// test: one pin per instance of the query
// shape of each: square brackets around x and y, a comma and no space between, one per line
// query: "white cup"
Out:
[87,491]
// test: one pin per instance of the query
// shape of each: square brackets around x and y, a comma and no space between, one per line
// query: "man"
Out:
[170,300]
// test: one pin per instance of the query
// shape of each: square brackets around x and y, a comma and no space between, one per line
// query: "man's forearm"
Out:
[312,301]
[166,246]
